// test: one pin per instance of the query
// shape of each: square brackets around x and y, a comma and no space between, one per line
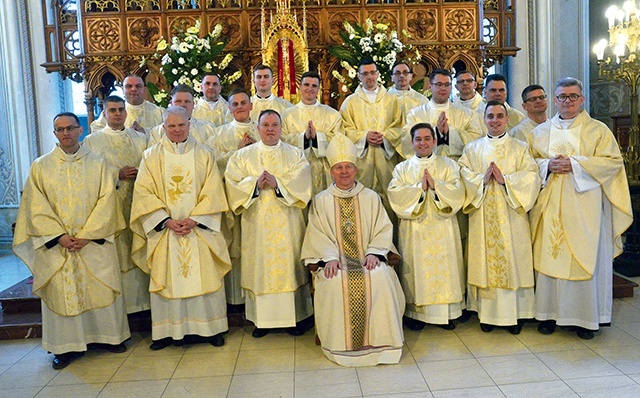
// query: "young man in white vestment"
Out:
[225,141]
[211,107]
[426,193]
[534,102]
[269,184]
[65,231]
[310,126]
[358,298]
[495,89]
[142,115]
[467,96]
[502,184]
[178,203]
[265,98]
[408,98]
[372,120]
[182,95]
[455,126]
[122,148]
[577,222]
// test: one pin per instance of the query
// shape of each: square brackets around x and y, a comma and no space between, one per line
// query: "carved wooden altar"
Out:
[99,42]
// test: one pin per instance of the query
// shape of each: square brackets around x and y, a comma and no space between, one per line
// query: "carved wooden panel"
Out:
[422,24]
[386,16]
[181,22]
[314,34]
[142,5]
[254,29]
[231,29]
[144,33]
[336,23]
[459,24]
[103,35]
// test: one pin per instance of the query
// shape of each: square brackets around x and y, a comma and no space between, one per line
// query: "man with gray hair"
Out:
[182,95]
[579,217]
[178,203]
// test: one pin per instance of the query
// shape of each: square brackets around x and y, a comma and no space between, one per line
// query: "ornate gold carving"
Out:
[223,3]
[101,5]
[254,30]
[181,24]
[103,34]
[422,24]
[491,5]
[143,5]
[313,30]
[231,29]
[459,24]
[67,13]
[180,183]
[386,17]
[336,24]
[144,32]
[182,4]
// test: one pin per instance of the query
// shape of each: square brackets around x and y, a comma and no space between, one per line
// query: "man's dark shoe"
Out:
[515,329]
[415,324]
[217,340]
[116,348]
[585,334]
[257,332]
[160,344]
[466,315]
[448,326]
[547,327]
[298,330]
[485,327]
[61,361]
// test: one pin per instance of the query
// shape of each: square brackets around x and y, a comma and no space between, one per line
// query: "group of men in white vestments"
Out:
[226,202]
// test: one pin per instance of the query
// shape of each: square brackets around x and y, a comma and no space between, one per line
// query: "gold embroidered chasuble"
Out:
[74,195]
[500,253]
[464,127]
[472,103]
[429,241]
[271,102]
[565,223]
[346,226]
[408,99]
[179,181]
[226,138]
[198,129]
[272,227]
[359,116]
[120,149]
[147,114]
[327,122]
[216,113]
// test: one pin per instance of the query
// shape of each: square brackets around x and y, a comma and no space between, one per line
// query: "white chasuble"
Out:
[183,250]
[429,242]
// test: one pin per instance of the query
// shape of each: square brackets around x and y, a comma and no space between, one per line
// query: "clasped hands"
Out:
[374,138]
[427,181]
[267,179]
[332,267]
[181,227]
[72,244]
[560,164]
[443,124]
[310,132]
[493,172]
[128,173]
[246,141]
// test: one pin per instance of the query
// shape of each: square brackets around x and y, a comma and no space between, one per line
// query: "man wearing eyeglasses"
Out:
[495,89]
[372,119]
[65,231]
[534,102]
[467,95]
[142,115]
[122,148]
[455,126]
[408,98]
[580,214]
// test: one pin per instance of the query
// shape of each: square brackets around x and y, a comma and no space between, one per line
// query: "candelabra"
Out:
[618,61]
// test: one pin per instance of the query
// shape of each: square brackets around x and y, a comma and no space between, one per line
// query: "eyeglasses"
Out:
[441,85]
[564,98]
[67,129]
[371,73]
[463,81]
[403,73]
[534,99]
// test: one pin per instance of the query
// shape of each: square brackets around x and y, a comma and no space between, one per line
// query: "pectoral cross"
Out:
[348,225]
